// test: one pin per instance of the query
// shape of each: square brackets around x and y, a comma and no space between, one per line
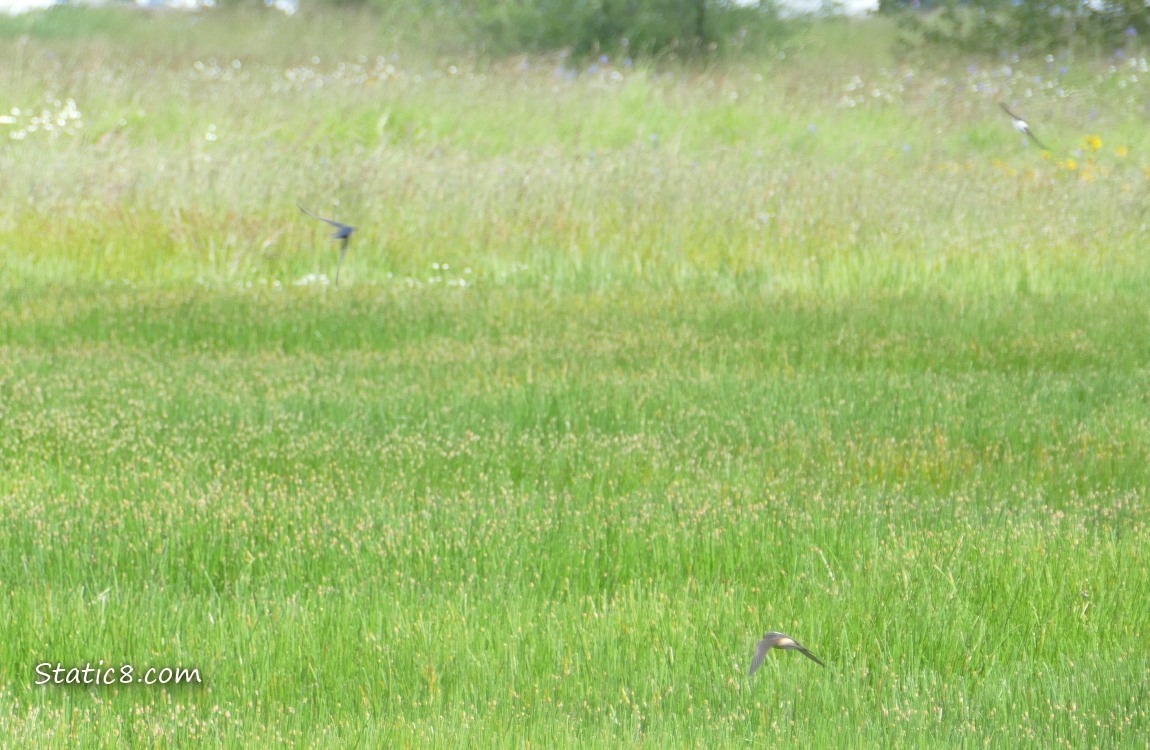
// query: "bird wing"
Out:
[338,225]
[309,213]
[1034,138]
[760,654]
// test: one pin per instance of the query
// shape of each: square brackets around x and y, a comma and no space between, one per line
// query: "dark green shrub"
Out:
[992,26]
[630,27]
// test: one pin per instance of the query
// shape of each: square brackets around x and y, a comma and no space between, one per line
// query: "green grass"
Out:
[624,372]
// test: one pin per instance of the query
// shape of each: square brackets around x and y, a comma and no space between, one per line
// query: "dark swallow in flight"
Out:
[1021,126]
[342,233]
[778,640]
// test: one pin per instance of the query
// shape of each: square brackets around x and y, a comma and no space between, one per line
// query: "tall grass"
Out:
[628,366]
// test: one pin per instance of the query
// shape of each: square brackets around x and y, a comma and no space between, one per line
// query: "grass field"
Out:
[629,364]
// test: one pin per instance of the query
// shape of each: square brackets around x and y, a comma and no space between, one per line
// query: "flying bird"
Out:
[1021,126]
[778,640]
[342,233]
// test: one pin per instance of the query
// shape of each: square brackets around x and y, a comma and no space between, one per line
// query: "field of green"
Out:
[630,362]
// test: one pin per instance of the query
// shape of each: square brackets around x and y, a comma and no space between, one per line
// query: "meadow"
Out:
[630,362]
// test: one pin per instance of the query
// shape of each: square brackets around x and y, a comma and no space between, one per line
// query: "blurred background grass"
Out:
[174,162]
[631,361]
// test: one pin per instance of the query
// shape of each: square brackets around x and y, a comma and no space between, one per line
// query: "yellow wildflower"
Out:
[1121,152]
[1093,142]
[1070,165]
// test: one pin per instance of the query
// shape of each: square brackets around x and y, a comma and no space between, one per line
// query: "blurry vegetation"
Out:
[590,27]
[630,27]
[1043,26]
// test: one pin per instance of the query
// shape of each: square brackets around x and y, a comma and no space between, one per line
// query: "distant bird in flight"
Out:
[342,233]
[778,640]
[1021,126]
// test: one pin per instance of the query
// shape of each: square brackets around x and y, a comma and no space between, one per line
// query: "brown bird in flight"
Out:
[778,640]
